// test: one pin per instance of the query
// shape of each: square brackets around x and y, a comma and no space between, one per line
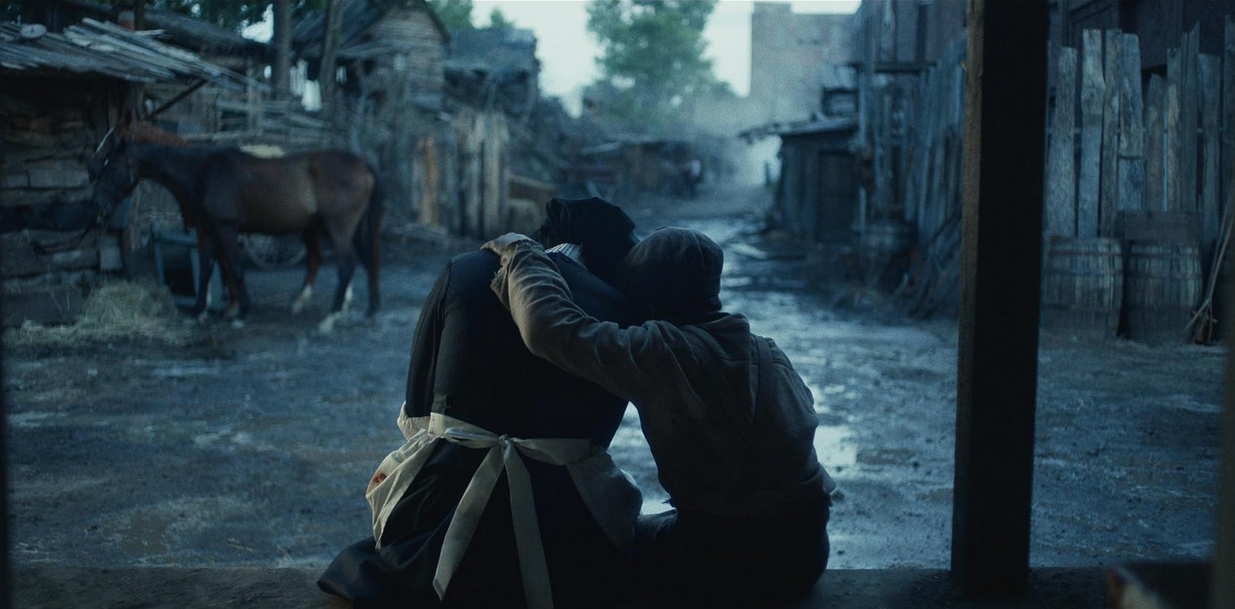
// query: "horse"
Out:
[222,192]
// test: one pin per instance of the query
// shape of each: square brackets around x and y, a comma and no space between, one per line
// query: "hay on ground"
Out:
[120,310]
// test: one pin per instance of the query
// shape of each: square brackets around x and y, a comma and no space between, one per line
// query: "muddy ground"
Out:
[253,446]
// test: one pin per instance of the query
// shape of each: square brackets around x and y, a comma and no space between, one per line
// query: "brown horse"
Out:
[223,192]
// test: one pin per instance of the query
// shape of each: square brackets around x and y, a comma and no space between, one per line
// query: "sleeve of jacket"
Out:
[425,344]
[627,362]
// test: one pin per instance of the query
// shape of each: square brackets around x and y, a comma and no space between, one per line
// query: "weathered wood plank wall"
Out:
[1189,97]
[1061,161]
[1093,93]
[1108,199]
[1155,95]
[1174,130]
[1131,182]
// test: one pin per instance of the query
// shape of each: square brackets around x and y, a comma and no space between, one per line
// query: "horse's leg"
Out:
[313,260]
[229,243]
[206,247]
[346,260]
[370,257]
[229,288]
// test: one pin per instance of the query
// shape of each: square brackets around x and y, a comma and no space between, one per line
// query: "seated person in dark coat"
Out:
[504,494]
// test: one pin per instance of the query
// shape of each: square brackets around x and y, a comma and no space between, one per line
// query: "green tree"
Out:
[455,14]
[652,58]
[498,20]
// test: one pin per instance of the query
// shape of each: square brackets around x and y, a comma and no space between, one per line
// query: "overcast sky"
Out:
[567,50]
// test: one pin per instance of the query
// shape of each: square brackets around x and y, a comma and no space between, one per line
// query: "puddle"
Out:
[176,372]
[34,419]
[835,448]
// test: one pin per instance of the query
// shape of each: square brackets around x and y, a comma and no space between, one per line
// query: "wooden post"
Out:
[1001,267]
[1209,73]
[1222,595]
[1061,165]
[282,43]
[1131,128]
[1174,195]
[1154,96]
[331,36]
[1108,201]
[1093,90]
[5,580]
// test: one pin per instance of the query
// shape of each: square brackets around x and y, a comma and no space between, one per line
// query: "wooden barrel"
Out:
[1163,288]
[883,243]
[1082,287]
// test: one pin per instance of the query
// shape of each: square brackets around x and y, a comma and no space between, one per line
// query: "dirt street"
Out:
[253,445]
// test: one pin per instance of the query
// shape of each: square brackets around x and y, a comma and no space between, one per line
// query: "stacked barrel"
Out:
[1083,286]
[1090,285]
[1163,289]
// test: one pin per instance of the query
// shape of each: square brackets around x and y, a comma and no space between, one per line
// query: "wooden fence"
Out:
[1123,142]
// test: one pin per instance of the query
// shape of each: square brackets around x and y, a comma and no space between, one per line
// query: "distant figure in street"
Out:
[694,175]
[730,423]
[504,494]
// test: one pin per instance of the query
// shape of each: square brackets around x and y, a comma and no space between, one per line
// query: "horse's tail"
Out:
[369,239]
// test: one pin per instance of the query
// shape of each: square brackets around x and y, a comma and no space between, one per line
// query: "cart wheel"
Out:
[271,252]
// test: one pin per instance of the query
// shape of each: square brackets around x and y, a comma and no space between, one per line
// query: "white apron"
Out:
[608,492]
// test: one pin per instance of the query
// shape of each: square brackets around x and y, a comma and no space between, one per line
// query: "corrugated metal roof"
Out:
[105,49]
[183,30]
[783,129]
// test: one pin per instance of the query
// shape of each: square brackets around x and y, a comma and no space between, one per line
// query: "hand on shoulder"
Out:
[507,243]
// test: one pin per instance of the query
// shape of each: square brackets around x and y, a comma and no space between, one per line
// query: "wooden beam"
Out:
[6,582]
[1223,593]
[201,82]
[1001,268]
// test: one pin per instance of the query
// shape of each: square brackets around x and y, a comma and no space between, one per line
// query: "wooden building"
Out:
[60,93]
[816,196]
[495,68]
[394,52]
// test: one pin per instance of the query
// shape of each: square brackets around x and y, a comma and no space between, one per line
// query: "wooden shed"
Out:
[818,191]
[389,48]
[60,92]
[495,68]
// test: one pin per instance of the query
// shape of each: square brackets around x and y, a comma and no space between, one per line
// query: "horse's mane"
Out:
[148,133]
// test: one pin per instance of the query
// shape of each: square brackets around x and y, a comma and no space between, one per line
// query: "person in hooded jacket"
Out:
[729,421]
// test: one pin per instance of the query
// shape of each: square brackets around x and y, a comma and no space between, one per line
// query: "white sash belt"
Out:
[608,492]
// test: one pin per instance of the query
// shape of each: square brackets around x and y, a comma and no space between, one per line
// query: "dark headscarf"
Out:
[604,233]
[676,273]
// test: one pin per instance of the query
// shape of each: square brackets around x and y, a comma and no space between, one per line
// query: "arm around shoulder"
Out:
[622,360]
